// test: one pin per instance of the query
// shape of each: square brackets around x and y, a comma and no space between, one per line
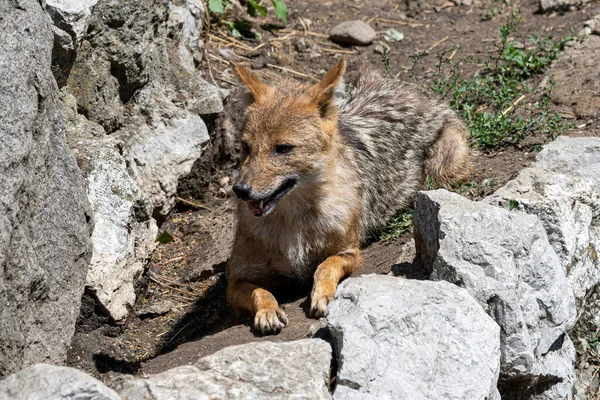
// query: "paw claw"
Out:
[318,305]
[270,320]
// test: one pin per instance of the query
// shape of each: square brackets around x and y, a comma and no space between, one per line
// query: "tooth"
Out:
[261,205]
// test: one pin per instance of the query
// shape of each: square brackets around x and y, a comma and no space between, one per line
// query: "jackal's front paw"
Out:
[318,304]
[270,320]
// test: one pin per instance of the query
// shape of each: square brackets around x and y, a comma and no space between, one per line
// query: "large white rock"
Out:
[548,5]
[568,207]
[71,16]
[185,23]
[124,234]
[45,217]
[408,339]
[579,155]
[49,382]
[263,370]
[162,147]
[558,364]
[133,88]
[503,258]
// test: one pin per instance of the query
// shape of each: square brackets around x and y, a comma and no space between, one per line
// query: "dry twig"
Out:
[436,44]
[191,203]
[291,71]
[513,105]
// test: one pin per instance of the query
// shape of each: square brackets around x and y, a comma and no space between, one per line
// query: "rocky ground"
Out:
[171,327]
[535,278]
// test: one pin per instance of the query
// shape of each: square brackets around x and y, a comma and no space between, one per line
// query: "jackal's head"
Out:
[287,138]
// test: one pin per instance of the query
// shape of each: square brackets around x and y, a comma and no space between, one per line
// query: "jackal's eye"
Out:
[245,147]
[283,148]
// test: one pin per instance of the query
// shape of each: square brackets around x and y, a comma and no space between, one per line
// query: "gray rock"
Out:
[45,219]
[265,370]
[70,24]
[49,382]
[124,233]
[97,91]
[568,207]
[352,32]
[157,308]
[162,147]
[63,56]
[71,16]
[503,258]
[593,25]
[406,339]
[185,24]
[119,56]
[559,363]
[575,68]
[208,99]
[134,79]
[550,5]
[579,155]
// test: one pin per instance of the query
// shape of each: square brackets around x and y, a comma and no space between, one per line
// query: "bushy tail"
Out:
[449,159]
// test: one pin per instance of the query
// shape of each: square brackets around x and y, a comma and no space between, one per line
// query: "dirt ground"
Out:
[181,313]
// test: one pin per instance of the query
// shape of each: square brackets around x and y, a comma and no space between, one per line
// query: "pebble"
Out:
[353,33]
[228,53]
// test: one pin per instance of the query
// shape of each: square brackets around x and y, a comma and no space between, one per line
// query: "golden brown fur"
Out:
[304,174]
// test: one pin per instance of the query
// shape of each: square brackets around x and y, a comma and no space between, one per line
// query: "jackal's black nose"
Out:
[242,191]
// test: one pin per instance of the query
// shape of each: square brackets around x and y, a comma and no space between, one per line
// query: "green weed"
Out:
[254,8]
[164,237]
[465,186]
[490,98]
[398,225]
[385,60]
[593,341]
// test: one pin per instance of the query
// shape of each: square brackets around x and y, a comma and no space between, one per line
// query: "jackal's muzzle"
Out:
[261,204]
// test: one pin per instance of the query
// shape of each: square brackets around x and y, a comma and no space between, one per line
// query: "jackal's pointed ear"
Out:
[325,91]
[256,87]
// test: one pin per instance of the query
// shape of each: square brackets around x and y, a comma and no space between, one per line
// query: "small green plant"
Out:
[217,6]
[489,14]
[465,186]
[398,225]
[494,10]
[241,29]
[164,237]
[593,341]
[430,184]
[513,205]
[416,58]
[385,60]
[489,98]
[254,7]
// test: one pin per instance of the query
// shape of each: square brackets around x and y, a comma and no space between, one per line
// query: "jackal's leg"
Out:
[247,297]
[327,277]
[449,159]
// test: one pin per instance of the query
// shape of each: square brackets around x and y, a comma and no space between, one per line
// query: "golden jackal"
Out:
[322,167]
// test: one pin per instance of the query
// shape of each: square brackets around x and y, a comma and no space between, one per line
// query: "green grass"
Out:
[593,341]
[397,226]
[491,98]
[243,28]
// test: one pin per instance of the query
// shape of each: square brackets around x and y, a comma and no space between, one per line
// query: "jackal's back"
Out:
[390,128]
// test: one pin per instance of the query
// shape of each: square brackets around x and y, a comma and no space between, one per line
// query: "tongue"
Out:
[255,207]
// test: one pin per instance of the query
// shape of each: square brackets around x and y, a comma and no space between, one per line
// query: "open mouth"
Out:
[265,205]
